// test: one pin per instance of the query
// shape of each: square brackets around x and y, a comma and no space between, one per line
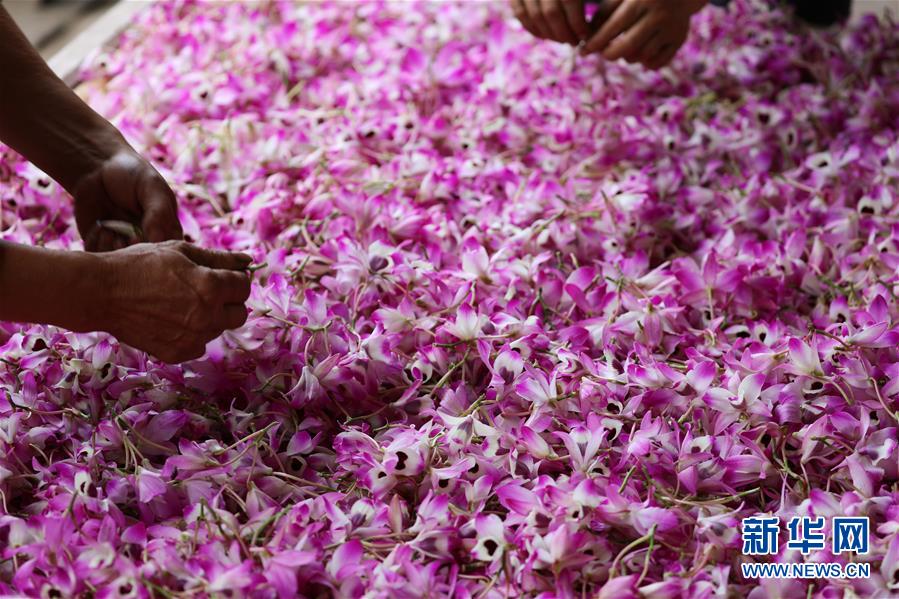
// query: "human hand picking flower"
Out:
[649,32]
[168,299]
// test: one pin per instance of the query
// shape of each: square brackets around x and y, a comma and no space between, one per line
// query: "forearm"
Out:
[44,286]
[44,120]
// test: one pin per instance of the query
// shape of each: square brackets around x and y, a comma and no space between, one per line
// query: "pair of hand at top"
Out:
[649,32]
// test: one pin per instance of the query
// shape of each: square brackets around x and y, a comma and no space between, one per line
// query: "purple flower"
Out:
[491,541]
[468,324]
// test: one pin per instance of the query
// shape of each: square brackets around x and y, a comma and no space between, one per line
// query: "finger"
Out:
[605,10]
[233,286]
[621,20]
[176,356]
[556,21]
[521,13]
[119,242]
[92,239]
[215,258]
[669,50]
[631,42]
[651,48]
[161,224]
[665,55]
[577,18]
[536,17]
[235,316]
[159,212]
[105,240]
[195,352]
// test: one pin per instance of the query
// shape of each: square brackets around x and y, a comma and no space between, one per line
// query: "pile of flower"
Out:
[529,324]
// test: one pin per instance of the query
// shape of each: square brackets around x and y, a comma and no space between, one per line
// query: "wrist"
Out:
[91,284]
[85,151]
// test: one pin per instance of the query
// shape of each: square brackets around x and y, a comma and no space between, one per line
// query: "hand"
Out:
[124,188]
[558,20]
[646,31]
[170,299]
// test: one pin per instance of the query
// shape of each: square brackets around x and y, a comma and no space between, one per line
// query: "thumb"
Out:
[159,219]
[133,185]
[577,18]
[216,258]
